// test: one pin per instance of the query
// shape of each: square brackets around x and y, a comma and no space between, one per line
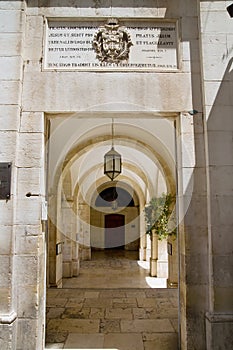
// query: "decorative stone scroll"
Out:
[111,45]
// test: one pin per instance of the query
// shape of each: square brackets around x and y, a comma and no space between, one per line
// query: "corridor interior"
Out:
[112,304]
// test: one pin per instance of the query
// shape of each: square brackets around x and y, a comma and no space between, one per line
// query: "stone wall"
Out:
[22,240]
[217,43]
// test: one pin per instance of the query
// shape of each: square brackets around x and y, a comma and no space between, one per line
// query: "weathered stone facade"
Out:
[50,120]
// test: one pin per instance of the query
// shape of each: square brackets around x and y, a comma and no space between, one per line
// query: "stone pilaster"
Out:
[154,254]
[192,231]
[12,19]
[217,82]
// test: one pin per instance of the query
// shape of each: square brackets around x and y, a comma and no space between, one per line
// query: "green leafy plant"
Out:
[158,215]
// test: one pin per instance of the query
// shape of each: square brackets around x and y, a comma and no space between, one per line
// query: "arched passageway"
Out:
[90,215]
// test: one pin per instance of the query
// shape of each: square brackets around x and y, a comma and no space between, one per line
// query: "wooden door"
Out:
[114,231]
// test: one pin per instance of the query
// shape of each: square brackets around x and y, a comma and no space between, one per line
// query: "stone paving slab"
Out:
[160,341]
[97,313]
[98,302]
[124,302]
[73,325]
[137,326]
[110,326]
[112,311]
[84,341]
[106,308]
[71,312]
[119,313]
[123,341]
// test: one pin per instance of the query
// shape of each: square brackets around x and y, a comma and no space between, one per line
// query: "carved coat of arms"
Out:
[112,42]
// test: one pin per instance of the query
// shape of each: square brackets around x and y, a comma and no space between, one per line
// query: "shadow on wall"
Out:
[220,116]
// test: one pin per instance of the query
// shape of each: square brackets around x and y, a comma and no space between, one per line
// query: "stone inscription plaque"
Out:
[69,46]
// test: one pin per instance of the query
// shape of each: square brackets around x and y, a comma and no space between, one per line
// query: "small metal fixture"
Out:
[193,112]
[112,161]
[29,194]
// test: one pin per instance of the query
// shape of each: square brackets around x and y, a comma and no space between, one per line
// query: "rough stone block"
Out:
[219,332]
[215,21]
[223,301]
[27,298]
[8,146]
[28,211]
[11,68]
[32,122]
[9,117]
[7,335]
[74,325]
[223,271]
[10,5]
[193,209]
[30,150]
[5,240]
[215,64]
[196,269]
[220,143]
[25,186]
[6,212]
[222,240]
[11,21]
[5,270]
[156,93]
[10,92]
[85,9]
[195,239]
[26,243]
[26,327]
[222,210]
[123,341]
[156,341]
[221,179]
[10,44]
[26,270]
[214,122]
[137,326]
[218,93]
[5,300]
[34,38]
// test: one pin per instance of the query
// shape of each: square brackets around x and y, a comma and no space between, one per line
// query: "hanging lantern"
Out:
[112,162]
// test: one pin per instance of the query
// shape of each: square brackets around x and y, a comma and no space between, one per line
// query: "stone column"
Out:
[154,254]
[192,230]
[84,230]
[172,281]
[217,82]
[12,19]
[70,245]
[29,241]
[162,263]
[142,249]
[143,236]
[67,249]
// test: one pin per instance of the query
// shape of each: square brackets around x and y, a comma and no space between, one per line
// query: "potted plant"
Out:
[158,216]
[159,220]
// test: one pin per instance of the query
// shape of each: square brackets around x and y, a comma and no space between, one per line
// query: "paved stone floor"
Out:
[111,305]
